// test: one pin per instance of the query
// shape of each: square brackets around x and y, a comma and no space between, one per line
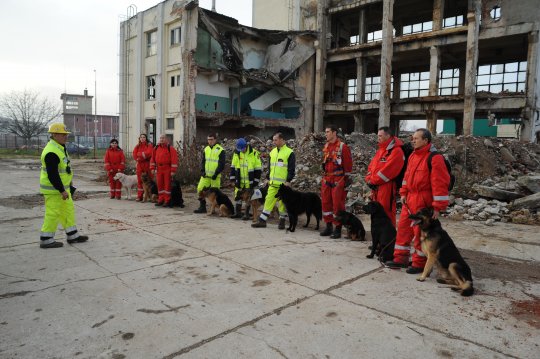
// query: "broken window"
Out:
[151,43]
[354,40]
[151,87]
[414,84]
[495,13]
[175,36]
[175,80]
[453,21]
[496,78]
[418,28]
[449,82]
[374,36]
[372,90]
[351,90]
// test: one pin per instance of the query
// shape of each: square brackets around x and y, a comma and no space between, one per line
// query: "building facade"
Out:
[186,71]
[78,116]
[382,61]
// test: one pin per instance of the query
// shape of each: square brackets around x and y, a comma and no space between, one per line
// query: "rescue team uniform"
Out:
[142,154]
[55,178]
[212,164]
[421,188]
[246,169]
[165,162]
[337,165]
[382,170]
[282,169]
[115,162]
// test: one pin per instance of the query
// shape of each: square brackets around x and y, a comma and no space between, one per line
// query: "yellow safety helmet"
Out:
[58,128]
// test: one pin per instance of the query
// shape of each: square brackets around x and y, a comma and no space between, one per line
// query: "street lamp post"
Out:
[95,112]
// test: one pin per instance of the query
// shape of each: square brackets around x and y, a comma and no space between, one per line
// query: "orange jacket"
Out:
[337,160]
[143,152]
[423,188]
[115,160]
[384,167]
[164,156]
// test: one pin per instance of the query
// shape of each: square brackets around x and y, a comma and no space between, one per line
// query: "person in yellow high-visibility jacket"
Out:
[213,163]
[282,170]
[245,173]
[55,185]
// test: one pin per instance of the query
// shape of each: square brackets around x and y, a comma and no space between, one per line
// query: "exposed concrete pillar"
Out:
[432,121]
[528,128]
[438,14]
[386,62]
[434,70]
[360,78]
[362,27]
[359,122]
[320,67]
[473,18]
[397,86]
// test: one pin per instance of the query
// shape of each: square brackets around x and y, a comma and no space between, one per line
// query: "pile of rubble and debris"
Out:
[496,179]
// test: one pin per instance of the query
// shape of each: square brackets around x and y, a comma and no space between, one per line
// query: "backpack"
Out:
[448,167]
[407,150]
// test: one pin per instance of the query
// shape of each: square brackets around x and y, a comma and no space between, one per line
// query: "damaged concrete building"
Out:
[186,71]
[382,61]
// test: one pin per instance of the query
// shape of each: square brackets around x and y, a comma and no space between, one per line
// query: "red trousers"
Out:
[405,235]
[333,197]
[163,179]
[142,167]
[114,186]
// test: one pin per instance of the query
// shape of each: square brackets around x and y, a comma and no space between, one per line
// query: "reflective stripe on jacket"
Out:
[279,160]
[45,186]
[115,160]
[211,156]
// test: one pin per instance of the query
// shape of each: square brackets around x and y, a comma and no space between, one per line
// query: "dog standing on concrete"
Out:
[297,203]
[441,250]
[128,182]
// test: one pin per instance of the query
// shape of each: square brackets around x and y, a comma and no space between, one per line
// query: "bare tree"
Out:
[27,113]
[402,125]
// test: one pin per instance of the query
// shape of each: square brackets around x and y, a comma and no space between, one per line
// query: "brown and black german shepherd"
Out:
[440,249]
[150,188]
[218,200]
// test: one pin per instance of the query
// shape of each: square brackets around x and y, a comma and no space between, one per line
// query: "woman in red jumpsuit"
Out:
[115,162]
[142,153]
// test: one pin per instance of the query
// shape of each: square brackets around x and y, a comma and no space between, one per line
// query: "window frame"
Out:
[151,43]
[151,88]
[175,40]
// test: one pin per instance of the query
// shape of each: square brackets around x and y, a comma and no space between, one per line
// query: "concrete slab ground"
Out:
[166,283]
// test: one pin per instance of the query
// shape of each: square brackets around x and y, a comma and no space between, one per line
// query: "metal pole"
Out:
[95,112]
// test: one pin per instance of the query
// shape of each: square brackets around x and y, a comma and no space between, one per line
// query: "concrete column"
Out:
[397,86]
[386,62]
[359,122]
[432,121]
[362,27]
[532,89]
[473,18]
[320,67]
[360,78]
[438,14]
[434,70]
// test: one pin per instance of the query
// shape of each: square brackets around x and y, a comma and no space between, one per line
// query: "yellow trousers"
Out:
[58,211]
[270,202]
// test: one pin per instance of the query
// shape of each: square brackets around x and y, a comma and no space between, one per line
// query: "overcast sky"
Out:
[53,46]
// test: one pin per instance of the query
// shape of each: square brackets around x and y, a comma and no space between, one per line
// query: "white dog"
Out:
[128,182]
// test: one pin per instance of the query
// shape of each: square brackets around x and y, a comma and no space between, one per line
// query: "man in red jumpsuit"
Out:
[142,153]
[421,188]
[337,167]
[383,169]
[165,162]
[115,162]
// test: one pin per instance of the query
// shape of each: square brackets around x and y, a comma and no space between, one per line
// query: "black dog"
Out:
[176,195]
[355,228]
[297,203]
[383,233]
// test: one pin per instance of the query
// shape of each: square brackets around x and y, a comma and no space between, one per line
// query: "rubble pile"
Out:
[493,176]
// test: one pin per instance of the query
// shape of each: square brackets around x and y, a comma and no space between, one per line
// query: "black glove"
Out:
[72,190]
[203,174]
[214,177]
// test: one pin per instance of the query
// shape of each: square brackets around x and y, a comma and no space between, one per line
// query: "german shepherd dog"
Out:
[150,188]
[247,196]
[355,228]
[218,200]
[441,250]
[383,233]
[176,195]
[297,203]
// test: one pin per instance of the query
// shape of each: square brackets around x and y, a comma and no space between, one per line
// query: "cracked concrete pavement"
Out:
[166,283]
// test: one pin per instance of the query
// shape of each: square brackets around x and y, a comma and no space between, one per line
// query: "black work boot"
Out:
[79,239]
[51,245]
[246,213]
[237,211]
[259,224]
[328,230]
[337,233]
[202,207]
[281,224]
